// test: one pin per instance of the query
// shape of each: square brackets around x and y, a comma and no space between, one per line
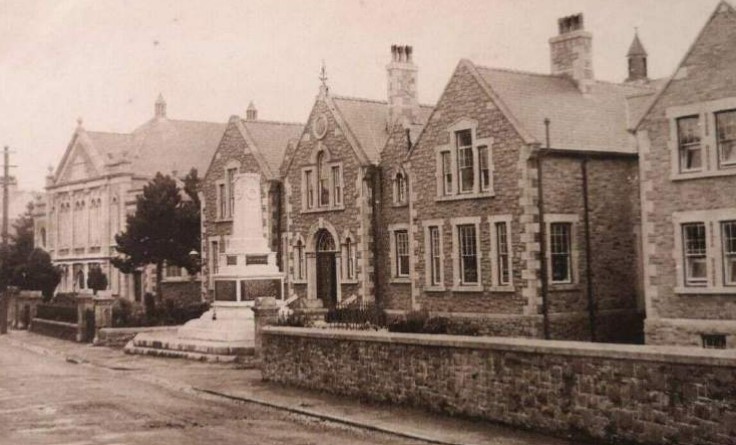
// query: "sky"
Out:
[106,61]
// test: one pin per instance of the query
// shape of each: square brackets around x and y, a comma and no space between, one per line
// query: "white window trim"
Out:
[218,210]
[493,254]
[392,229]
[463,124]
[344,279]
[708,139]
[428,286]
[574,220]
[397,201]
[457,285]
[712,219]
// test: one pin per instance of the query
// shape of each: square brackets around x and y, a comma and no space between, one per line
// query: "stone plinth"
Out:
[266,311]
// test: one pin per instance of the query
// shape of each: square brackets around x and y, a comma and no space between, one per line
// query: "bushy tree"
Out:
[19,249]
[96,279]
[164,228]
[37,273]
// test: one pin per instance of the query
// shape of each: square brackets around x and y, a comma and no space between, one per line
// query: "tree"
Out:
[164,228]
[37,273]
[96,279]
[19,248]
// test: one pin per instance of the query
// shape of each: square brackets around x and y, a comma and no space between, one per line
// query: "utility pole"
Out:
[6,180]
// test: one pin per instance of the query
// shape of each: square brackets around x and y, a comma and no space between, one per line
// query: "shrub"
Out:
[421,323]
[294,321]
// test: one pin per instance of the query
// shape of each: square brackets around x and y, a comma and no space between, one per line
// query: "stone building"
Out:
[688,194]
[332,186]
[517,209]
[95,186]
[248,145]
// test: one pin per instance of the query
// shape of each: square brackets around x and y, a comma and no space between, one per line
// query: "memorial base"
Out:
[229,322]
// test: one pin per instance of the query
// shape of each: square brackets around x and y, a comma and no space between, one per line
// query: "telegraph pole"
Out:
[6,181]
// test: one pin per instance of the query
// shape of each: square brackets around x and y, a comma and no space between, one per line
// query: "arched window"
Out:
[400,188]
[325,241]
[323,180]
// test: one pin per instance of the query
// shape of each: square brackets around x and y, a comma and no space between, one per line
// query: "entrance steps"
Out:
[167,344]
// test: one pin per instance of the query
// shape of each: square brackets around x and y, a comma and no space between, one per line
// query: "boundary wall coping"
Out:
[610,351]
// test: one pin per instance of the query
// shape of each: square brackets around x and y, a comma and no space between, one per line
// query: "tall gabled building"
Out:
[687,149]
[94,188]
[332,187]
[248,145]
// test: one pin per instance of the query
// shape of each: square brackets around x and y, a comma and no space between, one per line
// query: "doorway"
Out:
[326,269]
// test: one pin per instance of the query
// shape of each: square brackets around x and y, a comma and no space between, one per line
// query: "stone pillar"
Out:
[103,311]
[12,296]
[266,314]
[312,311]
[84,302]
[27,302]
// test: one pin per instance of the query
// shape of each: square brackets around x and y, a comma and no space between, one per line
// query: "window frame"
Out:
[574,276]
[313,184]
[459,285]
[434,252]
[721,162]
[396,276]
[684,148]
[400,188]
[716,281]
[727,253]
[299,260]
[498,284]
[702,256]
[449,188]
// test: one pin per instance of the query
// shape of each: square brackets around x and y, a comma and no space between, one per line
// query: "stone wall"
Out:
[600,392]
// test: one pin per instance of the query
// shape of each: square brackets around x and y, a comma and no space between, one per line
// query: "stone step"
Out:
[170,353]
[170,342]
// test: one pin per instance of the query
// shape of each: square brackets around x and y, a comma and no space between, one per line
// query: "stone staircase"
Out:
[167,344]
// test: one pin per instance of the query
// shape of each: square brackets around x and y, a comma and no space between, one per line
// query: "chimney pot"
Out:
[571,52]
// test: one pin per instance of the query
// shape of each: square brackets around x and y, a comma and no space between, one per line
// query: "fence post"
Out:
[266,313]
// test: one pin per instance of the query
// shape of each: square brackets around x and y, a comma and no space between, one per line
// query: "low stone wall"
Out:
[58,329]
[593,391]
[119,337]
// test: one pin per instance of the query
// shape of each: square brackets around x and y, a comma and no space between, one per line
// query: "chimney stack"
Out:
[160,107]
[251,114]
[403,104]
[572,52]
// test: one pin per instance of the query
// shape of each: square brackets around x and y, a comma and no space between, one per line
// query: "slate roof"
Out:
[272,138]
[595,121]
[111,146]
[165,145]
[367,120]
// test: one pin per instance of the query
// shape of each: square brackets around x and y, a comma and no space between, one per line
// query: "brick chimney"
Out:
[572,51]
[160,107]
[251,114]
[402,86]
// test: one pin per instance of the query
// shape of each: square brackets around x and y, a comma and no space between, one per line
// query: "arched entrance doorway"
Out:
[326,268]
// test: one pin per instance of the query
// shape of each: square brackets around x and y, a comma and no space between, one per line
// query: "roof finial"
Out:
[50,169]
[79,121]
[323,77]
[160,106]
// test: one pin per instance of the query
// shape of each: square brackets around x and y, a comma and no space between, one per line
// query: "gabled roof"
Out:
[112,147]
[167,145]
[367,120]
[723,6]
[272,138]
[593,121]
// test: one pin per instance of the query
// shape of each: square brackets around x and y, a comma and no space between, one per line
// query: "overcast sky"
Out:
[106,61]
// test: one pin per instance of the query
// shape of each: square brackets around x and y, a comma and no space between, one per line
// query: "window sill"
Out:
[502,289]
[400,280]
[350,281]
[175,279]
[400,204]
[324,209]
[705,290]
[684,176]
[223,220]
[467,288]
[463,196]
[562,287]
[298,281]
[435,289]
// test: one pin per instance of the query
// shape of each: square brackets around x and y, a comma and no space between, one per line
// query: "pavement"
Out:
[242,383]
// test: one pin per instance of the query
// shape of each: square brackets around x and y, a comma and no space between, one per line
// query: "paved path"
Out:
[58,392]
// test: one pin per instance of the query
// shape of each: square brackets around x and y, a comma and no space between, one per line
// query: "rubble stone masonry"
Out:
[597,392]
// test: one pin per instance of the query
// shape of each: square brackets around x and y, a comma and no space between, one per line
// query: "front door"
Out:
[327,279]
[326,270]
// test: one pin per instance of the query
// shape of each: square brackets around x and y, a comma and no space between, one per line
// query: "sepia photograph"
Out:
[329,222]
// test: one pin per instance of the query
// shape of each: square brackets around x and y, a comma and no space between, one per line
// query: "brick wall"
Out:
[610,393]
[705,76]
